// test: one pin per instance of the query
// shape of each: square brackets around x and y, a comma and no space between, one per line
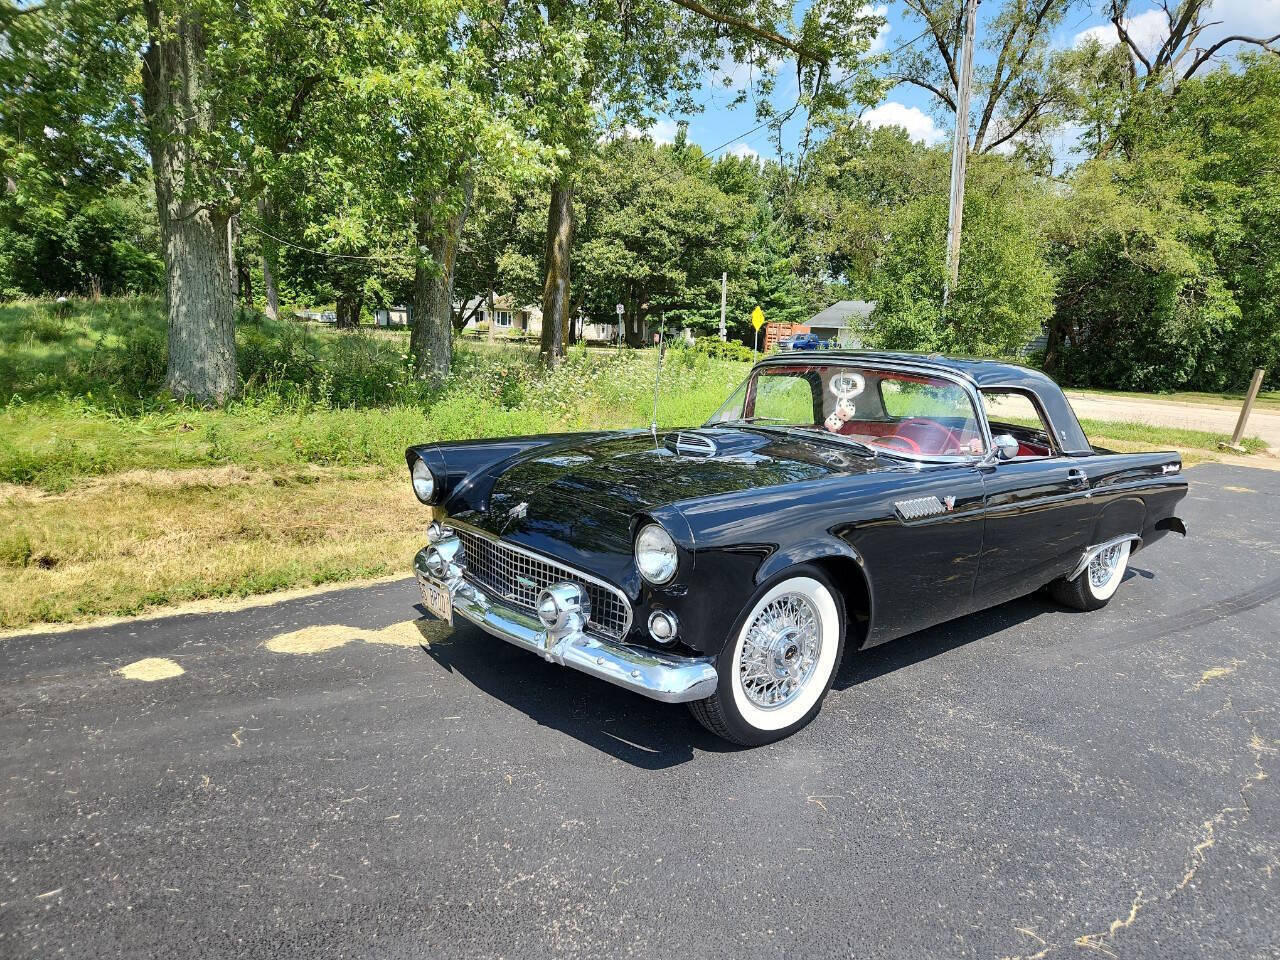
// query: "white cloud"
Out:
[1148,30]
[877,10]
[746,152]
[1249,17]
[1223,18]
[660,131]
[918,124]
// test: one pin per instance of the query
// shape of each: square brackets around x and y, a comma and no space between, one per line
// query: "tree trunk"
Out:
[493,322]
[202,338]
[555,291]
[431,336]
[348,310]
[270,257]
[233,269]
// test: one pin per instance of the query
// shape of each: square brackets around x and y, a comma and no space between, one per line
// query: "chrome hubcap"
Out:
[1103,566]
[780,651]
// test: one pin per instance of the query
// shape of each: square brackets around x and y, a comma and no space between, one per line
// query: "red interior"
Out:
[926,436]
[915,435]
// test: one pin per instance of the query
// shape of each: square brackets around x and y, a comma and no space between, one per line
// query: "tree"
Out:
[1167,248]
[73,211]
[1178,57]
[640,56]
[874,206]
[1019,95]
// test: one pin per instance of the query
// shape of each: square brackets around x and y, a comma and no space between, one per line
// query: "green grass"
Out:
[81,396]
[1103,432]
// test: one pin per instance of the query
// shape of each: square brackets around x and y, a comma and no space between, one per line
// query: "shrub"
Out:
[724,349]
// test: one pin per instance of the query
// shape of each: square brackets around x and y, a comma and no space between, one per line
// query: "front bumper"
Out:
[661,676]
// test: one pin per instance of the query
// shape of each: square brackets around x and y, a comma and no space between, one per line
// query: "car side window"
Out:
[1014,412]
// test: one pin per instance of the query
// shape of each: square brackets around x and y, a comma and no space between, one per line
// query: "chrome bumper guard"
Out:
[664,677]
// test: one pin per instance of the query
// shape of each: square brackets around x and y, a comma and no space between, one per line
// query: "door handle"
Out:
[1077,477]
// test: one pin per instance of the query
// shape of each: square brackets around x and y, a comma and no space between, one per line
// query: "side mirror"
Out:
[1006,446]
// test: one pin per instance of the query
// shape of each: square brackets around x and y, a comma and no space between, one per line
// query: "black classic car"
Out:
[831,503]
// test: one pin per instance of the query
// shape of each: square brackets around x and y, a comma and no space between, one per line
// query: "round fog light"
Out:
[663,626]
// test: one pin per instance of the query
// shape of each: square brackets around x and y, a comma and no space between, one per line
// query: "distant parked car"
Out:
[804,341]
[328,317]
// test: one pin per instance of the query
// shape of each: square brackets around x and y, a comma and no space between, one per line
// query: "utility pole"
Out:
[960,150]
[724,289]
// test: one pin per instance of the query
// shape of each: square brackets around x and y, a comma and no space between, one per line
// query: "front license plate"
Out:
[437,600]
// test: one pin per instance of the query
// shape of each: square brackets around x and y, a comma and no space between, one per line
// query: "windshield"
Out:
[907,414]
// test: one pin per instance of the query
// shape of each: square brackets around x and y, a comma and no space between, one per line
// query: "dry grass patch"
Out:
[120,548]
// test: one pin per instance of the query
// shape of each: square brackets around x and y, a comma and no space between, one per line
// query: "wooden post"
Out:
[1249,398]
[724,290]
[960,151]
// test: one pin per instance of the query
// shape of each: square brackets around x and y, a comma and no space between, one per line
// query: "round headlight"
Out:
[656,554]
[424,484]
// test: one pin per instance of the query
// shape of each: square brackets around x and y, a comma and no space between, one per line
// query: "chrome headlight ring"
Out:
[656,555]
[424,482]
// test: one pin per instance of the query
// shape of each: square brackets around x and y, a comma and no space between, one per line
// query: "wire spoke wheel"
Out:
[779,661]
[780,651]
[1103,567]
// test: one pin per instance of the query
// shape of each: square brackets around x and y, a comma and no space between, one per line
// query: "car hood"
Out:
[585,491]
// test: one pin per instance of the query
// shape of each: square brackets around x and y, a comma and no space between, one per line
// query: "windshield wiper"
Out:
[750,420]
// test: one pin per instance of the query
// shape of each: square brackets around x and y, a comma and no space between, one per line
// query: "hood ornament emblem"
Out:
[519,511]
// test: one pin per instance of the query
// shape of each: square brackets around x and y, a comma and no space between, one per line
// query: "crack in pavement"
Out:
[1102,941]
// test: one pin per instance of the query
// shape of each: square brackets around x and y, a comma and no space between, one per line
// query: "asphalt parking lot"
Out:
[1027,782]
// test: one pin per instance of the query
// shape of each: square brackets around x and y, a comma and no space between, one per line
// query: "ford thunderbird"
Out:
[831,503]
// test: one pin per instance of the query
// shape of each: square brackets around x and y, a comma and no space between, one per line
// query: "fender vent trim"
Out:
[919,507]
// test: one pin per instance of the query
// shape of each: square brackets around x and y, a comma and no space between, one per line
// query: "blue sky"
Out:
[909,107]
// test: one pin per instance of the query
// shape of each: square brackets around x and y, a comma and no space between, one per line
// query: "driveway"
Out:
[1029,782]
[1215,418]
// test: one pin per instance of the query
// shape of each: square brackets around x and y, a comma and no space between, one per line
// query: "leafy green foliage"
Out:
[1170,250]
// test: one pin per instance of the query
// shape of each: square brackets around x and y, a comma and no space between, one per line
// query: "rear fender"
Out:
[1127,515]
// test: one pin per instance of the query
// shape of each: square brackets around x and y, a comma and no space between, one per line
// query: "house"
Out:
[507,316]
[393,317]
[844,322]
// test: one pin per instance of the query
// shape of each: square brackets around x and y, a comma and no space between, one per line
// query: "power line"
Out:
[325,253]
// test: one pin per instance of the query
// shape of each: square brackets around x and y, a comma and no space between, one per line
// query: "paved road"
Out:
[1026,782]
[1215,418]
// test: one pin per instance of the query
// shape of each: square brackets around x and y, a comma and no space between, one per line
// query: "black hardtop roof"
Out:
[982,373]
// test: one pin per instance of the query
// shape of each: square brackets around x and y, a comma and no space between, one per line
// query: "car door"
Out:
[1039,512]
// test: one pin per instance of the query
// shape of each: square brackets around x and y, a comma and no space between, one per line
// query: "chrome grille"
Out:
[519,575]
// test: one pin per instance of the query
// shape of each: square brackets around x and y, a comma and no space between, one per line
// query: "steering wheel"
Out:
[912,446]
[947,436]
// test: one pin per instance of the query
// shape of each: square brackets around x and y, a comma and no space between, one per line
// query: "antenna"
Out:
[657,378]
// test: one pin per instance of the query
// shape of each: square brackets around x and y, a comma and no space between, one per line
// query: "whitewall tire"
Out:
[1098,582]
[779,661]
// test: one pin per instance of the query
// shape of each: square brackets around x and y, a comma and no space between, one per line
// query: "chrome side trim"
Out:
[1091,552]
[573,573]
[660,676]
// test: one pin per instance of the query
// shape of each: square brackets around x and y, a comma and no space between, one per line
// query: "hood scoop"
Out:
[686,443]
[713,442]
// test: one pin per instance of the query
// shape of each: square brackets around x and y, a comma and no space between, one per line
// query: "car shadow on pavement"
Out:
[632,728]
[915,647]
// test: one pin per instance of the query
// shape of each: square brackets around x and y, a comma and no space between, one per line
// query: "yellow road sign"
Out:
[757,318]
